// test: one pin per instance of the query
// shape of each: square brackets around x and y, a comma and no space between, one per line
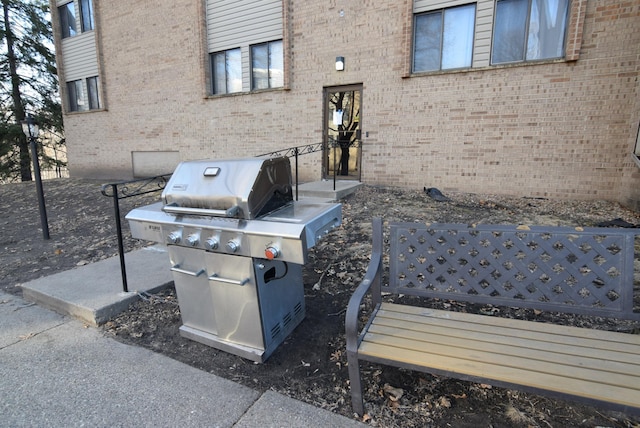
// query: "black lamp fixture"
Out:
[30,129]
[339,63]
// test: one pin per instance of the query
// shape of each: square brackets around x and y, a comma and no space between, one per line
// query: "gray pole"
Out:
[40,191]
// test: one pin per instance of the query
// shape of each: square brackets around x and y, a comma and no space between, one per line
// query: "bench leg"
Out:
[355,383]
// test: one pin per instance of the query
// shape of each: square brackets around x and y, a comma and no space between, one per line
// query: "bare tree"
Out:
[346,130]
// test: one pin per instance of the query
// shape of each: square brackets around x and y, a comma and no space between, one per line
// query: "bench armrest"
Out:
[371,282]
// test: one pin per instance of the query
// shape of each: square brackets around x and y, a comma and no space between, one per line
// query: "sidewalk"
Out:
[59,371]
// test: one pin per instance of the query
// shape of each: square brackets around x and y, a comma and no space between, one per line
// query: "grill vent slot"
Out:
[287,319]
[275,331]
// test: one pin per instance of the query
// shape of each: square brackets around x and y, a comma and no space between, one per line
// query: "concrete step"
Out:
[93,293]
[324,189]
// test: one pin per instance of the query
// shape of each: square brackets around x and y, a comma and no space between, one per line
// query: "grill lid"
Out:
[244,188]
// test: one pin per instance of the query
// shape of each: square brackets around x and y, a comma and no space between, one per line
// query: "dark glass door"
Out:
[342,132]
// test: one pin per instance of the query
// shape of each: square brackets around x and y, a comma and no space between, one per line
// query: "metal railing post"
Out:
[295,151]
[123,268]
[160,181]
[335,148]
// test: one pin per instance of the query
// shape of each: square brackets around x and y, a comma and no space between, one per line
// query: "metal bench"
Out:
[556,269]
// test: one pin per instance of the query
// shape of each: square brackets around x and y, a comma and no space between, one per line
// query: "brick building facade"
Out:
[557,127]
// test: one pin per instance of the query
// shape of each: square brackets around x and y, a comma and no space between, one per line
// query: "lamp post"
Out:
[30,129]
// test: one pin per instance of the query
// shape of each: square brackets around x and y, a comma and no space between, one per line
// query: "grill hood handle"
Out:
[174,209]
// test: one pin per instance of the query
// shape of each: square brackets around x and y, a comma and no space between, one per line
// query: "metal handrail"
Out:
[129,189]
[307,149]
[295,152]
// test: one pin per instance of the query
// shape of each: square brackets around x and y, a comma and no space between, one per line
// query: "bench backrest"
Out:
[587,271]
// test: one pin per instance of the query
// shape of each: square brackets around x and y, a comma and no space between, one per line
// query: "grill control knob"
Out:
[211,244]
[174,238]
[271,253]
[233,245]
[193,240]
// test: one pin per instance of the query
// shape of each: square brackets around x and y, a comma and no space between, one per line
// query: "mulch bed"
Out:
[311,364]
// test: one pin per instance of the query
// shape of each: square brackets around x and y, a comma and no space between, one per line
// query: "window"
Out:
[529,30]
[444,39]
[81,97]
[267,65]
[76,96]
[86,15]
[227,71]
[245,44]
[92,89]
[67,15]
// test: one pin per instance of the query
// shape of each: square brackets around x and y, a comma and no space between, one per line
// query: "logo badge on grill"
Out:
[211,171]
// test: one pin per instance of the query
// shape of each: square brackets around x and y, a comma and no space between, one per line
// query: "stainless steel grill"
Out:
[237,242]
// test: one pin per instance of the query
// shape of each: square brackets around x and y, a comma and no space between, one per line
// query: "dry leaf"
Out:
[523,227]
[515,415]
[393,394]
[366,417]
[444,402]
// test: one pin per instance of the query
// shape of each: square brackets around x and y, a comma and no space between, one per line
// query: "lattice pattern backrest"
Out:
[550,268]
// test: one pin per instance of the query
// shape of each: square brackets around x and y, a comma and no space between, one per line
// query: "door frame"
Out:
[326,149]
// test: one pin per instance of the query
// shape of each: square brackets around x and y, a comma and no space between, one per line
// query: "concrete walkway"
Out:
[58,372]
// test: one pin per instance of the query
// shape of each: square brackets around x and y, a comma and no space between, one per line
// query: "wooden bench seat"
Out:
[593,366]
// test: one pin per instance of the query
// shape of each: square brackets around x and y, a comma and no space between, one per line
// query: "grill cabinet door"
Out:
[192,288]
[235,299]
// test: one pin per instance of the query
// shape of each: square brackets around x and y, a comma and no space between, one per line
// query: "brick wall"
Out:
[556,129]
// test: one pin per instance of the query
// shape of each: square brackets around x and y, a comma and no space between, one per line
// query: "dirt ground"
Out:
[311,364]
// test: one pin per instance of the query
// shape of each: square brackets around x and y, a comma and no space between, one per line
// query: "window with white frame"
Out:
[443,39]
[226,69]
[67,14]
[267,65]
[529,30]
